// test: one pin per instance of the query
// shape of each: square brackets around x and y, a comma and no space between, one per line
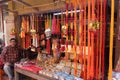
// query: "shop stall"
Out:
[70,42]
[67,43]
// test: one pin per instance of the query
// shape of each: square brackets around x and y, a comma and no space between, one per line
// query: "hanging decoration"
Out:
[71,22]
[23,24]
[81,36]
[28,25]
[32,31]
[27,41]
[64,30]
[89,43]
[97,40]
[54,25]
[104,37]
[58,26]
[66,26]
[84,48]
[48,34]
[94,26]
[12,32]
[111,40]
[75,37]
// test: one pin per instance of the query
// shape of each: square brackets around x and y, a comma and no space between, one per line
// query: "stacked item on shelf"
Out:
[52,69]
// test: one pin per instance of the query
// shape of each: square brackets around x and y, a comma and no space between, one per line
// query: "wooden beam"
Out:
[26,4]
[8,10]
[49,8]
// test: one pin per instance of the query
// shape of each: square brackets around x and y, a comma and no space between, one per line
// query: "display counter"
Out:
[36,76]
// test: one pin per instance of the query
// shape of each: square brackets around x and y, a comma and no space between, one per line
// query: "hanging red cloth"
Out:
[58,26]
[27,41]
[54,25]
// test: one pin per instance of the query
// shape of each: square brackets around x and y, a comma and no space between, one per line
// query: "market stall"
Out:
[65,33]
[66,43]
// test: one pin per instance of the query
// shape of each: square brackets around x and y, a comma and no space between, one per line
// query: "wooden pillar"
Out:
[1,23]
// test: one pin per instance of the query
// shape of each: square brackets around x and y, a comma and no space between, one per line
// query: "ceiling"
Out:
[33,6]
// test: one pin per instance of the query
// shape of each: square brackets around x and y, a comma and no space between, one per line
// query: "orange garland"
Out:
[75,41]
